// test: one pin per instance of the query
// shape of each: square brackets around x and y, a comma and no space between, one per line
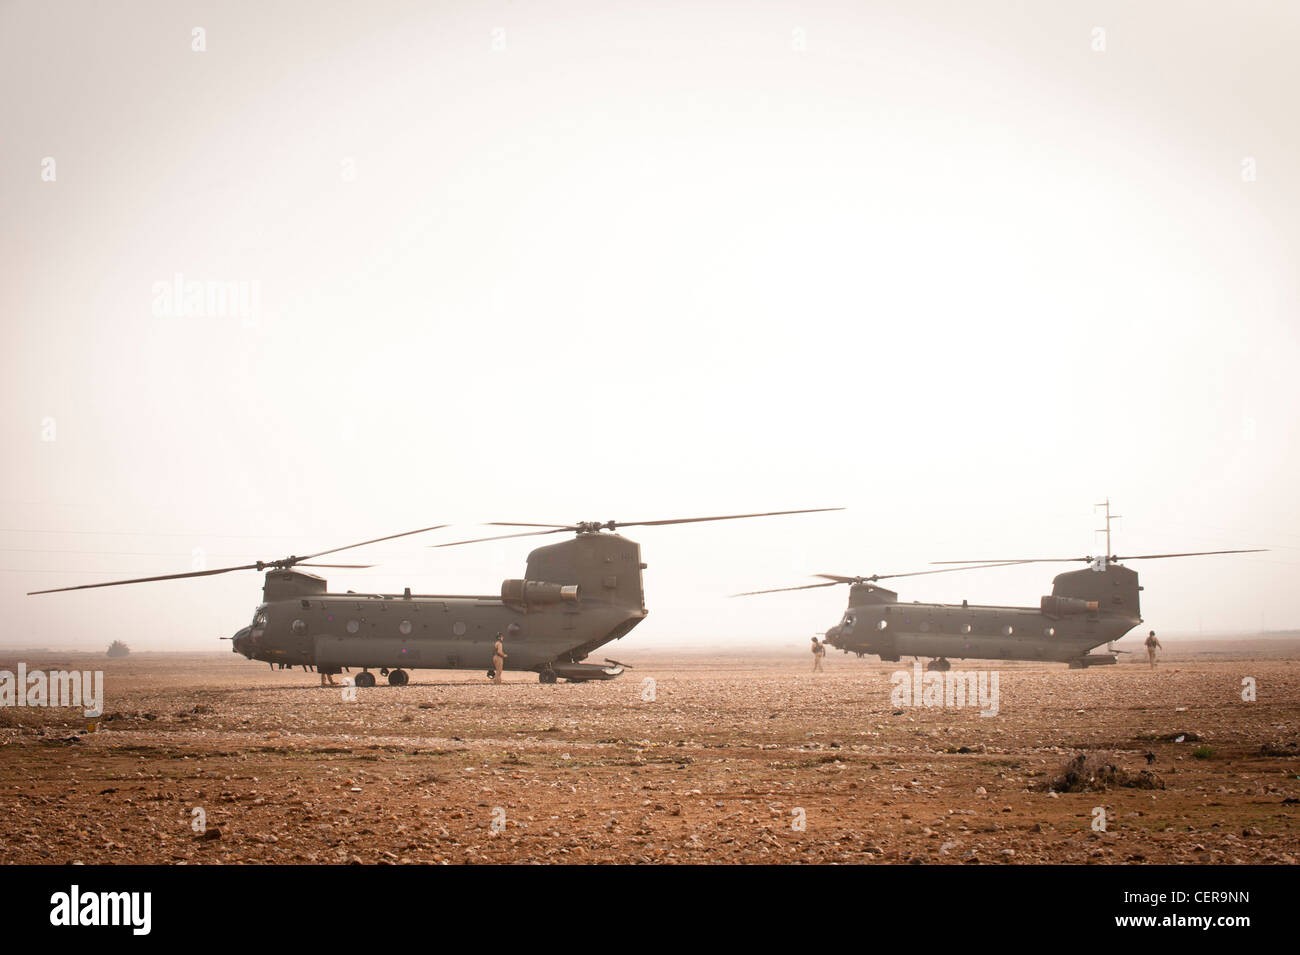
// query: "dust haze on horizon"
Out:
[951,267]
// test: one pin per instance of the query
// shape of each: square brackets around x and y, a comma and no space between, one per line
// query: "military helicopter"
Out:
[575,597]
[1087,608]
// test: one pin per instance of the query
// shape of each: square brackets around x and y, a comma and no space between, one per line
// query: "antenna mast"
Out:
[1109,517]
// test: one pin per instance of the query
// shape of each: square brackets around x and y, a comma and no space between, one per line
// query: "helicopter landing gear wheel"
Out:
[364,678]
[547,676]
[398,678]
[940,665]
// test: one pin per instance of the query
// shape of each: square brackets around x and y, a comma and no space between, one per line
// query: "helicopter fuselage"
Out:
[1088,608]
[576,596]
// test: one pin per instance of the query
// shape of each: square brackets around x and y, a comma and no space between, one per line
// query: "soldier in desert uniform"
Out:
[819,651]
[1152,645]
[498,658]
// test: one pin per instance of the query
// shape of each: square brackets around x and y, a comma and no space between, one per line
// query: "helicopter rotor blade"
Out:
[838,579]
[390,537]
[566,527]
[1112,559]
[146,580]
[283,563]
[920,573]
[1195,553]
[595,526]
[725,517]
[751,593]
[912,573]
[1022,560]
[501,537]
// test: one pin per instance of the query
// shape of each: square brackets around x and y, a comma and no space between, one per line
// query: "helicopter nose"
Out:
[242,642]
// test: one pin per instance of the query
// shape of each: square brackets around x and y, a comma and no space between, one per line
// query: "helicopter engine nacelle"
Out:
[525,594]
[1064,606]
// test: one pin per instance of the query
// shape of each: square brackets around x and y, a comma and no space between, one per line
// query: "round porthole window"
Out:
[404,628]
[458,628]
[299,627]
[354,626]
[882,625]
[1050,631]
[1008,630]
[925,626]
[965,628]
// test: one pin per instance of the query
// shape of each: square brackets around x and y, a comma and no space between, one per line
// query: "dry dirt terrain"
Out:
[741,756]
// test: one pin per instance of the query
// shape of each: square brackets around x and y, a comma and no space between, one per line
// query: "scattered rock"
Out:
[1097,772]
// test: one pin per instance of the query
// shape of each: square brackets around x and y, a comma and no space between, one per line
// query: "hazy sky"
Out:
[964,268]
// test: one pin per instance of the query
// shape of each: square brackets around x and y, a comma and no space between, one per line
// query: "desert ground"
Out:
[733,755]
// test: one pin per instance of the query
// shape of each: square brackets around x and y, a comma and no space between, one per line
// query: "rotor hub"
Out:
[284,563]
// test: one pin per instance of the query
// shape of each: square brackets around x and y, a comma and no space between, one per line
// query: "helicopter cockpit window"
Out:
[848,620]
[259,622]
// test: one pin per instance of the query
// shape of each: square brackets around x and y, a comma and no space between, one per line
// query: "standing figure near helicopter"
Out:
[498,658]
[1152,645]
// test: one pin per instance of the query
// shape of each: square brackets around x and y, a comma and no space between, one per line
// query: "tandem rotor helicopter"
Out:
[1087,608]
[575,597]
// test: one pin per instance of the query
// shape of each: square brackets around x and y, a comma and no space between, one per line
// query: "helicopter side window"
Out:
[259,622]
[848,620]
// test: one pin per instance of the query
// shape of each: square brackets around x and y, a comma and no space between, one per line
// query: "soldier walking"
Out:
[498,658]
[1152,646]
[819,651]
[326,675]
